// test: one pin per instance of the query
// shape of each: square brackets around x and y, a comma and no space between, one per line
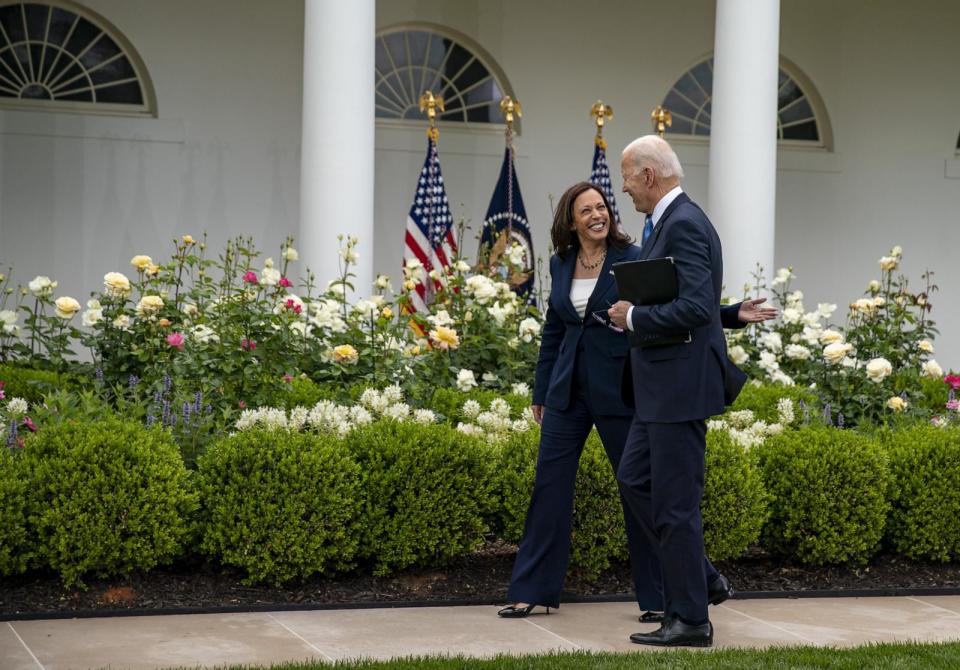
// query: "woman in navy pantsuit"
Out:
[577,387]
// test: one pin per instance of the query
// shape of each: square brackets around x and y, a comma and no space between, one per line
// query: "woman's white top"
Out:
[580,292]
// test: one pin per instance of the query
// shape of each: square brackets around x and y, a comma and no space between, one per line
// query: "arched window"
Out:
[58,55]
[801,115]
[413,58]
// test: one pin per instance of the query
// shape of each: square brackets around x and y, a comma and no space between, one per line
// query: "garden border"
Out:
[460,602]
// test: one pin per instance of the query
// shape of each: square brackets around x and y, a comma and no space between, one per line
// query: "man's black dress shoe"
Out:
[719,590]
[675,633]
[651,617]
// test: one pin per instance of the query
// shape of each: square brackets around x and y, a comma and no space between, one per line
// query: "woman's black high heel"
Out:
[516,612]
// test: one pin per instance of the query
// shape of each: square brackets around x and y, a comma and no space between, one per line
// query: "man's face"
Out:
[635,184]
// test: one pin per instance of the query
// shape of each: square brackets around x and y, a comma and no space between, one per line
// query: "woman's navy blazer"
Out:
[603,350]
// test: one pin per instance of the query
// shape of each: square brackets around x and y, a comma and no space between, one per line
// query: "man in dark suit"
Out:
[675,388]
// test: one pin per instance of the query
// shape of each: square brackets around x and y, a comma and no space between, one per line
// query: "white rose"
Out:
[897,404]
[873,286]
[529,329]
[897,251]
[830,337]
[8,321]
[122,322]
[795,298]
[783,276]
[41,286]
[290,254]
[466,380]
[836,352]
[888,263]
[812,319]
[811,335]
[826,309]
[925,346]
[797,352]
[383,283]
[772,341]
[738,355]
[461,266]
[878,369]
[270,275]
[768,361]
[932,369]
[791,315]
[489,378]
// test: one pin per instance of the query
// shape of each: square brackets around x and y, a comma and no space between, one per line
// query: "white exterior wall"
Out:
[224,154]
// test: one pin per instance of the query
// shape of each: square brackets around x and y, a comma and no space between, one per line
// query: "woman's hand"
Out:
[537,413]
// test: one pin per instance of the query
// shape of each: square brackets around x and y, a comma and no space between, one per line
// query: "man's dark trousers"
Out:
[662,474]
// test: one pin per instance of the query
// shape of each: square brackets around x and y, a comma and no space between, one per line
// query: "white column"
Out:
[337,141]
[743,136]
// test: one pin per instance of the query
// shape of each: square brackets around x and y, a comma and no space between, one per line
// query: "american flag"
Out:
[429,236]
[600,175]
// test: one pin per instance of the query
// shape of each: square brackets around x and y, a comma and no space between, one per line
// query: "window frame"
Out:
[147,108]
[471,46]
[810,92]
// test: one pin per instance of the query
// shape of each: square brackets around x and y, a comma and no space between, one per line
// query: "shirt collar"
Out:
[665,201]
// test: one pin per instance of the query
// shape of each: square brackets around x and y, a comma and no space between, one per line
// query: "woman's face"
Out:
[591,220]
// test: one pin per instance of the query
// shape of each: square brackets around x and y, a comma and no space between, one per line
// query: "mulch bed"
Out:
[479,577]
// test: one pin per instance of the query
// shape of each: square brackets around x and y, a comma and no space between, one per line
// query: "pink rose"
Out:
[176,340]
[954,381]
[284,282]
[251,277]
[248,345]
[954,404]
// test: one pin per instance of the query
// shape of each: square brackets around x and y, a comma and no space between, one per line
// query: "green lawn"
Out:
[872,657]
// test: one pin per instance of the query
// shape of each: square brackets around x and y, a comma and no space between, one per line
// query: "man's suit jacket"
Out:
[564,332]
[693,380]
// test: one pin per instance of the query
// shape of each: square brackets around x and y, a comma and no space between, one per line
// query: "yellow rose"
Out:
[409,285]
[152,269]
[116,284]
[141,262]
[445,338]
[387,313]
[66,307]
[188,240]
[926,346]
[878,369]
[345,353]
[888,263]
[897,404]
[149,305]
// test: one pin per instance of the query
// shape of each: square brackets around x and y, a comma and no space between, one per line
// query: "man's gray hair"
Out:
[653,151]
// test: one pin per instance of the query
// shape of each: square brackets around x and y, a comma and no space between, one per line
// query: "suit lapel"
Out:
[647,247]
[605,280]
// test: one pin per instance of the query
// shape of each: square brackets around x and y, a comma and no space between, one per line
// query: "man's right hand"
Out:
[537,413]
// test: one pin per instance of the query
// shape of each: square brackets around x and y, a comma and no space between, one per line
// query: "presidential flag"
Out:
[429,237]
[505,225]
[600,175]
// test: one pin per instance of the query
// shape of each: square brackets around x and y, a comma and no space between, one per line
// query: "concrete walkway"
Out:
[265,638]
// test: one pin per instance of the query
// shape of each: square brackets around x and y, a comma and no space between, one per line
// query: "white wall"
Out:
[81,194]
[884,70]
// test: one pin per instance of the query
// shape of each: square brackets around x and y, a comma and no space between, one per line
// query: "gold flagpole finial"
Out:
[601,113]
[429,103]
[661,119]
[510,108]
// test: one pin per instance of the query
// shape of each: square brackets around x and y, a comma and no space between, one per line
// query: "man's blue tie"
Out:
[647,229]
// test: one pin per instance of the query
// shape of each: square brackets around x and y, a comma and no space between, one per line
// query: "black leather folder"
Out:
[649,282]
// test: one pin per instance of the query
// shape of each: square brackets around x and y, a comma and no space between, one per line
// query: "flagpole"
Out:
[510,108]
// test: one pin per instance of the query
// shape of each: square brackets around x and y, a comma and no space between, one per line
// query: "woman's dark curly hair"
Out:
[562,232]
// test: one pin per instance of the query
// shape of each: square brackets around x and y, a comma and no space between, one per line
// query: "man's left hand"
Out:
[618,313]
[751,311]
